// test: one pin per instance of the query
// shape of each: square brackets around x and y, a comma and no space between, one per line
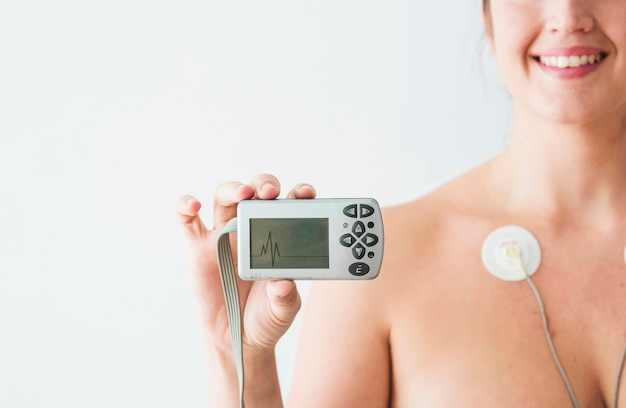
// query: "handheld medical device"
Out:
[309,239]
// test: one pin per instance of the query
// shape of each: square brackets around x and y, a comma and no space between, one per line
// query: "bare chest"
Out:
[461,337]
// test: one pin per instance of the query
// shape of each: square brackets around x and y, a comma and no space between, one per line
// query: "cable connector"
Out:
[513,252]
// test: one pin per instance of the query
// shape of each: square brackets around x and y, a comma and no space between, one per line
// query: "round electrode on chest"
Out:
[499,264]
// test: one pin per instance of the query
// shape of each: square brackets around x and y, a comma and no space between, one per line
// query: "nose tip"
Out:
[576,21]
[570,16]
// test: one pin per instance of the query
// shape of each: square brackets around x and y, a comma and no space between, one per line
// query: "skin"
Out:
[436,329]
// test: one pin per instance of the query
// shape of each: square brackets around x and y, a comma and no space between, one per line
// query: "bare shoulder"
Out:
[436,227]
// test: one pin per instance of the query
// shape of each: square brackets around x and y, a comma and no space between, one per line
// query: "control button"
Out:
[366,210]
[370,255]
[350,211]
[358,229]
[370,240]
[347,240]
[370,225]
[359,269]
[358,251]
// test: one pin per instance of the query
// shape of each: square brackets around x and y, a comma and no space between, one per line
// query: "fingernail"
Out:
[306,187]
[267,187]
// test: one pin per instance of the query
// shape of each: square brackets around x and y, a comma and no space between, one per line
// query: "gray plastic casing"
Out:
[362,230]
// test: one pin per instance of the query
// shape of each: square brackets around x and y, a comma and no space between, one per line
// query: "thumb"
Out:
[269,320]
[284,300]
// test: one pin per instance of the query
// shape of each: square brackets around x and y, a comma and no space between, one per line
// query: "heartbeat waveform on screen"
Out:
[271,247]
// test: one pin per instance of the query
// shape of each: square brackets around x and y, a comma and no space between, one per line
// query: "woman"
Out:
[436,329]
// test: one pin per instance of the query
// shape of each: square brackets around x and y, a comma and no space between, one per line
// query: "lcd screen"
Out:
[289,243]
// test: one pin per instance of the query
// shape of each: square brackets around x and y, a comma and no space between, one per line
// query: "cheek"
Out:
[510,51]
[513,34]
[514,25]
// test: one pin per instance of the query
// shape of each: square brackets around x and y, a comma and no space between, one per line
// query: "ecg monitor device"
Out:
[309,239]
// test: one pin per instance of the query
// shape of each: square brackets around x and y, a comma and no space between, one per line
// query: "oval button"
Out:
[370,240]
[359,269]
[347,240]
[366,210]
[350,211]
[358,229]
[358,251]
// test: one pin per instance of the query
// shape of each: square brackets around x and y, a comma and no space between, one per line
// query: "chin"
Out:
[565,112]
[586,117]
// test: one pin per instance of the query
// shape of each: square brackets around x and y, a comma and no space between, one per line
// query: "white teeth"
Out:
[574,61]
[562,61]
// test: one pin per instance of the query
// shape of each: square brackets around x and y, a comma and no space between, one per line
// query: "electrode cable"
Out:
[514,254]
[231,295]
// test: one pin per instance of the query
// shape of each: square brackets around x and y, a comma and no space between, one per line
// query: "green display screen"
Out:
[289,243]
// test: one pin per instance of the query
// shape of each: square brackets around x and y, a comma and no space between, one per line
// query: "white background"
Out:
[110,110]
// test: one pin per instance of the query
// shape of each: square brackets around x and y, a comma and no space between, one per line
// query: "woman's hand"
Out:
[268,307]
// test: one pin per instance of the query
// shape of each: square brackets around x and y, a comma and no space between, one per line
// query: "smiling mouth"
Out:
[571,61]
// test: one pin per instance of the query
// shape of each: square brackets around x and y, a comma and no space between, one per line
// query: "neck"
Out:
[563,171]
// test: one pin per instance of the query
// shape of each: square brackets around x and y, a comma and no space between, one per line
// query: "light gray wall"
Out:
[111,110]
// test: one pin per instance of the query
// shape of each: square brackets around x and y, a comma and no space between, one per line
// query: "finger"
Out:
[226,198]
[266,186]
[284,300]
[187,209]
[302,190]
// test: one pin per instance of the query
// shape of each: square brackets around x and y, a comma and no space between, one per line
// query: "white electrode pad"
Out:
[499,264]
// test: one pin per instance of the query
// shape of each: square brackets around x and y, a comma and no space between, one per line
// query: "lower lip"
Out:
[570,73]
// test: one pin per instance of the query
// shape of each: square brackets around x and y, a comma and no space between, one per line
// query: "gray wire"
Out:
[544,320]
[228,277]
[514,253]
